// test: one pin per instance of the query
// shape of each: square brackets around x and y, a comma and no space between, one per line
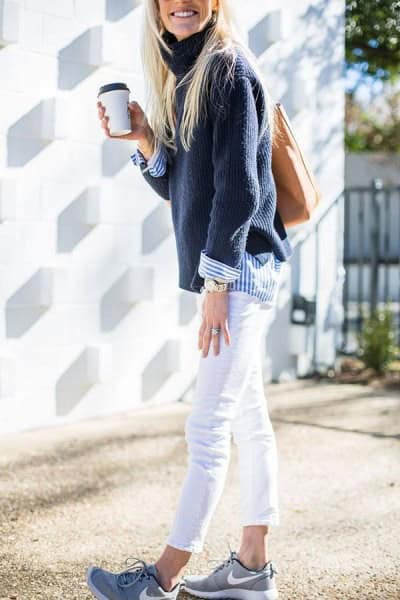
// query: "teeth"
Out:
[184,13]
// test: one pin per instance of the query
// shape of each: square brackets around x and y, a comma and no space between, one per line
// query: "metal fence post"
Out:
[375,226]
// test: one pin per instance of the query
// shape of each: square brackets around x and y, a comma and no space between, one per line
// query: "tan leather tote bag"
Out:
[296,187]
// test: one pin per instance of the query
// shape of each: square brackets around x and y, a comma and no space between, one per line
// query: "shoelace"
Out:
[224,563]
[133,574]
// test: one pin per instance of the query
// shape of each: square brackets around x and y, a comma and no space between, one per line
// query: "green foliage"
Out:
[376,340]
[373,51]
[376,129]
[373,37]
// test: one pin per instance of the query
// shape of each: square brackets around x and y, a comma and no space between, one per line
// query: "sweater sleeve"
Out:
[155,170]
[237,191]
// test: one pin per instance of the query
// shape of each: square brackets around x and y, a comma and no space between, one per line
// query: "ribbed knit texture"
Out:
[222,191]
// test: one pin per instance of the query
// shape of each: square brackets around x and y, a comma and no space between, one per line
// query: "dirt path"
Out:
[100,491]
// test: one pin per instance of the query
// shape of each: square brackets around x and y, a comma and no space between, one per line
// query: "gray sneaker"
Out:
[138,583]
[233,580]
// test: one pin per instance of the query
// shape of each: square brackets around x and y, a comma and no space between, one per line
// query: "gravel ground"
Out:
[103,490]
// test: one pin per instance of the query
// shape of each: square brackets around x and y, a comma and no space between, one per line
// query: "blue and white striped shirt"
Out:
[259,278]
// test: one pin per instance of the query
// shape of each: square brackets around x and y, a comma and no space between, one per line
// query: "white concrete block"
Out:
[94,55]
[47,121]
[8,244]
[41,367]
[100,49]
[35,241]
[61,37]
[31,31]
[92,210]
[110,39]
[90,11]
[275,30]
[13,106]
[29,199]
[55,196]
[99,363]
[54,113]
[174,356]
[60,8]
[37,414]
[83,320]
[3,152]
[7,377]
[138,284]
[301,94]
[11,68]
[19,199]
[45,85]
[94,247]
[54,286]
[8,199]
[127,246]
[10,18]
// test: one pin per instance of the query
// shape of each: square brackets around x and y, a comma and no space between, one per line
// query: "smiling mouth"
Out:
[184,14]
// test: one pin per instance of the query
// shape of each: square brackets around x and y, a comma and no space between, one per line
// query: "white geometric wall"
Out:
[91,317]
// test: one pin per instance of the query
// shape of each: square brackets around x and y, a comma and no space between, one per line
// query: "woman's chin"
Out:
[184,28]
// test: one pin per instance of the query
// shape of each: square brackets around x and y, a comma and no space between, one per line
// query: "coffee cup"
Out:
[115,98]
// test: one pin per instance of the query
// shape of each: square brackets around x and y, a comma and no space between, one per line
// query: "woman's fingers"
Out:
[226,333]
[206,338]
[215,341]
[216,338]
[104,119]
[201,334]
[214,313]
[137,118]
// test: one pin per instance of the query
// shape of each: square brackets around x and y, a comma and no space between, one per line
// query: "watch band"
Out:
[213,285]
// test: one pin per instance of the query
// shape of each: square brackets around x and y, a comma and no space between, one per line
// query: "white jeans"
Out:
[229,400]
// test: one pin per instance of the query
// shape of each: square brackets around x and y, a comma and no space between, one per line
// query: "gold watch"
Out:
[212,285]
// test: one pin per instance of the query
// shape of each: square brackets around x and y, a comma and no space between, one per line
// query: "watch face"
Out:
[213,286]
[210,285]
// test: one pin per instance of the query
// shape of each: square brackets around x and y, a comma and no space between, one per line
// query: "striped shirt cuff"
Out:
[157,163]
[210,267]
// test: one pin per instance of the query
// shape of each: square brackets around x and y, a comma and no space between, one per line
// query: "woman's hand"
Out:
[214,314]
[141,130]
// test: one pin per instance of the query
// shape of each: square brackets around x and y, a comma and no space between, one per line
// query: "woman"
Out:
[208,152]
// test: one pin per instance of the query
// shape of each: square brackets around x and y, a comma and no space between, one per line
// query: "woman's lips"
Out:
[177,17]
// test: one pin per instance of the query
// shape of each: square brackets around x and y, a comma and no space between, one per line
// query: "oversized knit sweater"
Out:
[222,191]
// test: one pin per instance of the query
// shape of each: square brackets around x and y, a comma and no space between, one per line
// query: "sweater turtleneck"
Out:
[186,51]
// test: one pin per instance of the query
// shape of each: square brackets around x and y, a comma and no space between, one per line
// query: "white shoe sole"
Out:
[234,594]
[92,588]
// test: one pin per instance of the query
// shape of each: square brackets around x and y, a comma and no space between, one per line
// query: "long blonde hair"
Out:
[222,40]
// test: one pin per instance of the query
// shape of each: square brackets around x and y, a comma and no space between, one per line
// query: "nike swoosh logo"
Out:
[235,580]
[145,596]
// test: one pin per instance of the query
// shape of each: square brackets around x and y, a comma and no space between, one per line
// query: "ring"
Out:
[215,330]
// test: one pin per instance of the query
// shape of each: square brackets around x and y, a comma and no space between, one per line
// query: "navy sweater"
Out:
[222,191]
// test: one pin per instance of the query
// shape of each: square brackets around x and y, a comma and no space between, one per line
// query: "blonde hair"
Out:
[222,41]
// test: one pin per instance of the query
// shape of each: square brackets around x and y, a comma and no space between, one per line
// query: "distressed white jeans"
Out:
[229,402]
